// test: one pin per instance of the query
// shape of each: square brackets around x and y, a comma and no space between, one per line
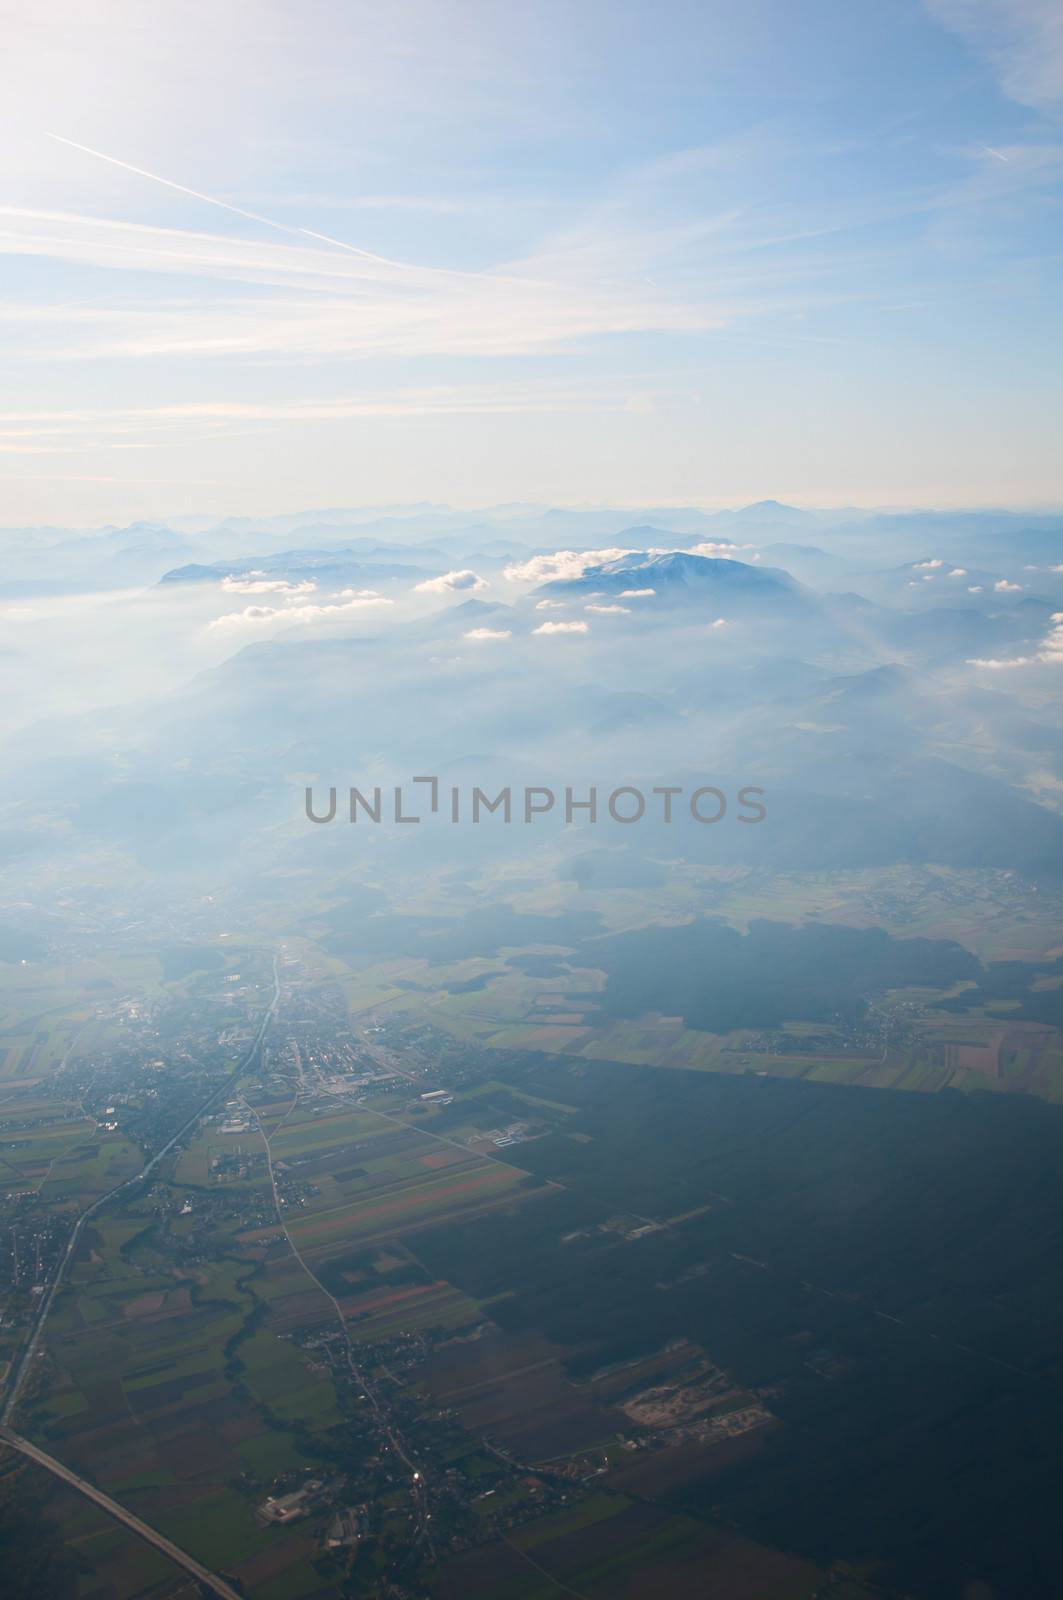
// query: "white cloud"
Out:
[350,600]
[721,622]
[561,564]
[251,616]
[1052,648]
[488,633]
[353,600]
[1050,652]
[919,565]
[715,550]
[974,588]
[958,572]
[1002,586]
[549,605]
[611,611]
[451,583]
[561,627]
[628,594]
[258,583]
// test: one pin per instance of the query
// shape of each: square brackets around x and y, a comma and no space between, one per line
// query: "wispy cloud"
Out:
[213,200]
[61,431]
[370,226]
[1021,39]
[439,205]
[325,301]
[487,633]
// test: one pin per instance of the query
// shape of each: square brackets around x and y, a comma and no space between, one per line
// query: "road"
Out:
[419,1487]
[202,1574]
[25,1361]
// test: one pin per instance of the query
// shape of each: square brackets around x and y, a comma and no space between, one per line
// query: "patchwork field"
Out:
[513,1389]
[356,1187]
[169,1386]
[613,1547]
[550,1000]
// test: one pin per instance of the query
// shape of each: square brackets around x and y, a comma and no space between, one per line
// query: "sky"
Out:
[258,257]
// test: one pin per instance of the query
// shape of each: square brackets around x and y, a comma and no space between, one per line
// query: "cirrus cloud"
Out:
[1021,39]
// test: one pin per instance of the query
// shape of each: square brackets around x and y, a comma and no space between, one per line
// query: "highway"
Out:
[25,1361]
[209,1579]
[22,1367]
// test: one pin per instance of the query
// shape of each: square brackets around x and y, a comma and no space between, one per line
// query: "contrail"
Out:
[225,205]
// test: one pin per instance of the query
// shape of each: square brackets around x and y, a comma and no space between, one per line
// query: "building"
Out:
[346,1528]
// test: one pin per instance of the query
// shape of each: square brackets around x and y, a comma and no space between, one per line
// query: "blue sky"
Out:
[563,253]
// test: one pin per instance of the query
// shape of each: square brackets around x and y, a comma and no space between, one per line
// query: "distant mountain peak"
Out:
[684,567]
[679,577]
[889,679]
[773,509]
[476,608]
